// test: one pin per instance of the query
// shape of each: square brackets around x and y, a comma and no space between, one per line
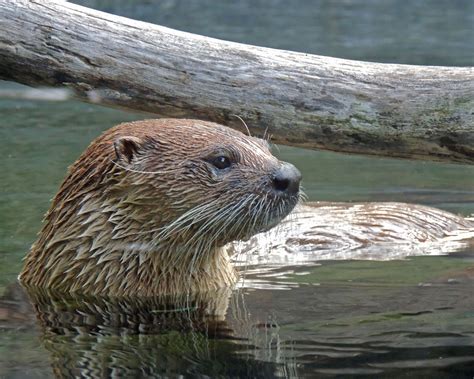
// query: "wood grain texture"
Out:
[304,100]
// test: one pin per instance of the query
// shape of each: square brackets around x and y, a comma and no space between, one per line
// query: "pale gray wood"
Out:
[303,100]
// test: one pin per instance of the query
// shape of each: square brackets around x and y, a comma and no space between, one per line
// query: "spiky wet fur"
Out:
[155,224]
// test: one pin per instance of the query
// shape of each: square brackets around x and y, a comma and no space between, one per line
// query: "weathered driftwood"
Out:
[303,100]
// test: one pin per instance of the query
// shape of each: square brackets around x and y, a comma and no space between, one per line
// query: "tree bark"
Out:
[304,100]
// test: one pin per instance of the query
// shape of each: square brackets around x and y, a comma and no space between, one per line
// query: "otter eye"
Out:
[221,162]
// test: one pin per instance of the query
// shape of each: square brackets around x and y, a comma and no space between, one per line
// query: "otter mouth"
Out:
[283,211]
[271,215]
[253,214]
[274,201]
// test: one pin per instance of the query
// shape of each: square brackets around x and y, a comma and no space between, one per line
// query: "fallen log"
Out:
[421,112]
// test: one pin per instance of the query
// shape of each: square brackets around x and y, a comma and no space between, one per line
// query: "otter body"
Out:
[148,207]
[152,207]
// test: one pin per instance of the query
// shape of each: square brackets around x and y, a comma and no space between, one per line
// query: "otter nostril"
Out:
[281,184]
[287,179]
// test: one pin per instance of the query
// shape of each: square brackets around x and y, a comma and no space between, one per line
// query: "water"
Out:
[412,318]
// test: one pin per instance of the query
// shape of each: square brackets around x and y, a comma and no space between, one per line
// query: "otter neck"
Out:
[111,243]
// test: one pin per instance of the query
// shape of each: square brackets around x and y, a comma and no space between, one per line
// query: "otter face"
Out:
[213,185]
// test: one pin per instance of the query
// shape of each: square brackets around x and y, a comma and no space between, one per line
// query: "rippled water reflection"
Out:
[411,318]
[303,323]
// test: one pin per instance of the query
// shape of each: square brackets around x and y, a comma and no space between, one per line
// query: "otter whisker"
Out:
[237,221]
[243,122]
[194,244]
[167,231]
[302,197]
[232,218]
[253,214]
[264,137]
[228,215]
[203,211]
[258,211]
[200,210]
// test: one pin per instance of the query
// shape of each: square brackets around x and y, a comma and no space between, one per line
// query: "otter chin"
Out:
[149,206]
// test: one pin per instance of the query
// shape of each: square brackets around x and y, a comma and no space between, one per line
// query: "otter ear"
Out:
[127,147]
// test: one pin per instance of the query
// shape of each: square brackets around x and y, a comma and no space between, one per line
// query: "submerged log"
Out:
[304,100]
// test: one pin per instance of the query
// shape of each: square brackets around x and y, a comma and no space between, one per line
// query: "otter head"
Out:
[151,203]
[209,184]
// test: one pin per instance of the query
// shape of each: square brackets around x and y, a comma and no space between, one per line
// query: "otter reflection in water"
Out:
[131,337]
[361,328]
[150,206]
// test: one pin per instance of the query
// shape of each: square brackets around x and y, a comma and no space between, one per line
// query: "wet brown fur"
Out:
[104,232]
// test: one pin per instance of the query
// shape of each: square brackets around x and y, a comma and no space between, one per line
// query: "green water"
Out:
[412,318]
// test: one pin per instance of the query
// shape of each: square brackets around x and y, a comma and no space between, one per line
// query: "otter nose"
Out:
[287,179]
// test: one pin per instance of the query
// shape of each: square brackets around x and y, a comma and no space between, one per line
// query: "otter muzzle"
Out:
[287,179]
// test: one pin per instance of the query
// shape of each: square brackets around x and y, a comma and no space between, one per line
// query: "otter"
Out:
[149,206]
[153,207]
